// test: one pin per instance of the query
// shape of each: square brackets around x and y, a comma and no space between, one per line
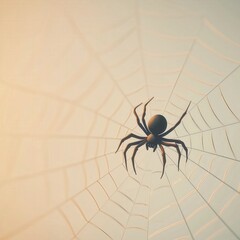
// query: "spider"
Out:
[155,137]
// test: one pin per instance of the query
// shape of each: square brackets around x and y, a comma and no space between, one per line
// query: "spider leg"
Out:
[179,142]
[164,158]
[127,137]
[154,149]
[138,121]
[144,114]
[134,153]
[126,149]
[179,121]
[177,148]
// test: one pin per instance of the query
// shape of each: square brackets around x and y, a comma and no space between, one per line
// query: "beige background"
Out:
[71,73]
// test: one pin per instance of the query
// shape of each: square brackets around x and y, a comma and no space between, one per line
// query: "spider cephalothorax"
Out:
[155,132]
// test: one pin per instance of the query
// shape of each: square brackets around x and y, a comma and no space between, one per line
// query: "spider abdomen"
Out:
[157,124]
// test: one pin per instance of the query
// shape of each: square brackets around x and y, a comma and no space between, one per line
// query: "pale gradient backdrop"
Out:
[71,72]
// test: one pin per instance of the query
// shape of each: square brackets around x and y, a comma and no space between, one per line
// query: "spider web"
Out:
[71,74]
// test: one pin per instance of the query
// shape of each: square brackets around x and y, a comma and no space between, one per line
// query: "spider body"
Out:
[152,139]
[155,133]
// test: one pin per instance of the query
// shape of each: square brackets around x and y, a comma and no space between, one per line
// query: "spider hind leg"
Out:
[127,148]
[178,142]
[177,148]
[134,154]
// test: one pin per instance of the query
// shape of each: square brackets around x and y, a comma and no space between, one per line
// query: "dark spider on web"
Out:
[155,137]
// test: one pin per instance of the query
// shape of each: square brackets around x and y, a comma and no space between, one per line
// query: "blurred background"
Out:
[71,73]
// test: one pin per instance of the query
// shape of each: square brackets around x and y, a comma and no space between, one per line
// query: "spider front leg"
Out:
[164,158]
[178,122]
[179,142]
[127,137]
[138,121]
[144,113]
[177,148]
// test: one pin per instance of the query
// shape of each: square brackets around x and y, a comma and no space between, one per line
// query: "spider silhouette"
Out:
[155,137]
